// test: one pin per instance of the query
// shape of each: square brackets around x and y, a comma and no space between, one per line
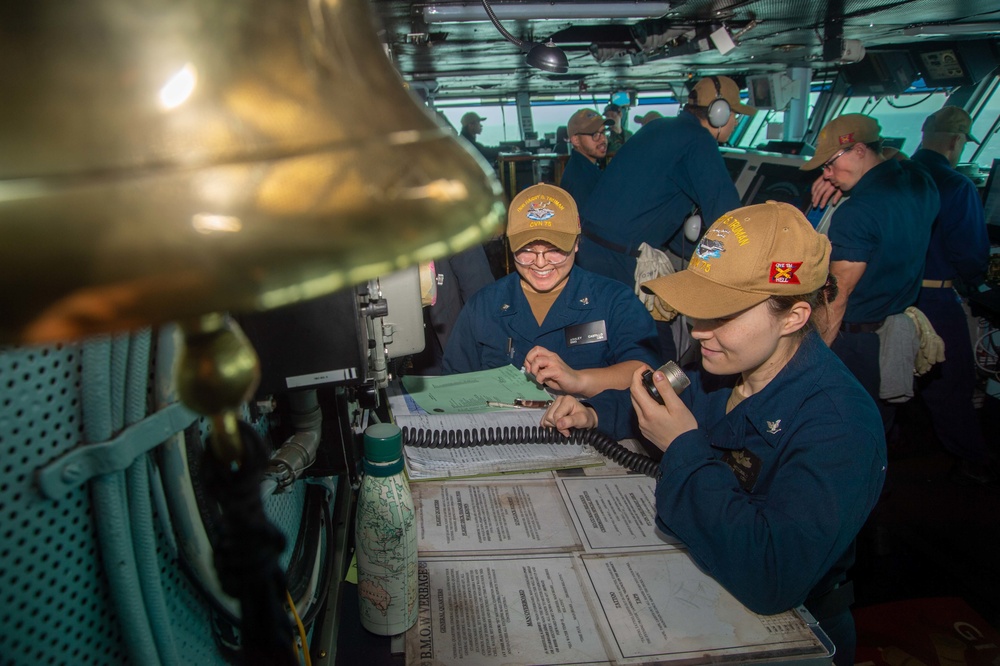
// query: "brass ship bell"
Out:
[168,158]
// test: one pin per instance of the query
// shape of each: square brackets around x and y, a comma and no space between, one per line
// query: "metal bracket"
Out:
[83,463]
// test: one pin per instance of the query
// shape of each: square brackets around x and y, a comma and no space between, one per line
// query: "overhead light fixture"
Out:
[945,30]
[462,12]
[546,57]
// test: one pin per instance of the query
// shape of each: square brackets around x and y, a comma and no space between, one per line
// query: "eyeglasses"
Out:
[595,135]
[553,257]
[829,163]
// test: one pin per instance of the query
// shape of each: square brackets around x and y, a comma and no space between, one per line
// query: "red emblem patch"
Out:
[783,272]
[846,138]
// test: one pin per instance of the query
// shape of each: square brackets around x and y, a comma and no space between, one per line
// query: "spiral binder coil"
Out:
[603,443]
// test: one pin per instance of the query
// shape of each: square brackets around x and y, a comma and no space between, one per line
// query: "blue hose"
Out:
[140,506]
[101,360]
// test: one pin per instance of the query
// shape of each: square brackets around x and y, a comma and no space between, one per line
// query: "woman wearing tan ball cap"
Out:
[775,455]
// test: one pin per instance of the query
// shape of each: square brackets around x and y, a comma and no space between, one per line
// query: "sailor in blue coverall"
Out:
[959,251]
[781,533]
[648,190]
[580,176]
[592,332]
[655,181]
[458,277]
[774,457]
[879,235]
[587,131]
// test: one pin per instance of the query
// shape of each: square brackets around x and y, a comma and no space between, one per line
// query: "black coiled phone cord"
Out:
[603,443]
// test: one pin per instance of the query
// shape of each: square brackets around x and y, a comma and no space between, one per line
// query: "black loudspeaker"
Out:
[881,73]
[718,110]
[309,344]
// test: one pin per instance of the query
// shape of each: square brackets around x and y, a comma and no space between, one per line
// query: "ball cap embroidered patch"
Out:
[745,257]
[543,213]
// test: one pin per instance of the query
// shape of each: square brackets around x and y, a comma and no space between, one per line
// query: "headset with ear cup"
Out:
[718,110]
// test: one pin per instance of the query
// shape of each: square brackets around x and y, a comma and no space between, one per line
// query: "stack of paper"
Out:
[429,407]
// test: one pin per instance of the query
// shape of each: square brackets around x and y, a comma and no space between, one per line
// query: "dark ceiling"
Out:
[473,59]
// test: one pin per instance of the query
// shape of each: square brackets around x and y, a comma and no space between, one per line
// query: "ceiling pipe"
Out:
[950,29]
[462,12]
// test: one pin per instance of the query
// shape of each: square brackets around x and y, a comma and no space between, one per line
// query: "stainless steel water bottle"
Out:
[386,536]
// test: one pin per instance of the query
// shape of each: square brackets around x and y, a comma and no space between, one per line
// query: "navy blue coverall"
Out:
[811,457]
[497,328]
[959,250]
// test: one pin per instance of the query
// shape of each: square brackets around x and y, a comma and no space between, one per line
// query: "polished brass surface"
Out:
[163,159]
[217,367]
[216,372]
[226,443]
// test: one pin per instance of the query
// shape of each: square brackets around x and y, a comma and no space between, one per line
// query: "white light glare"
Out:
[178,89]
[210,223]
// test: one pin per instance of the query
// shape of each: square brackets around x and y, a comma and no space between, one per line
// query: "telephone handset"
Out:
[678,380]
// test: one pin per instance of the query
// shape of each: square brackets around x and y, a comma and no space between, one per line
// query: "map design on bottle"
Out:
[387,555]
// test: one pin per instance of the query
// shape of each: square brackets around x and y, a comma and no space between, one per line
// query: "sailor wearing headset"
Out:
[669,167]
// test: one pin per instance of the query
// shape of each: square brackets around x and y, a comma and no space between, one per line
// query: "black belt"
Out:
[614,247]
[863,327]
[832,602]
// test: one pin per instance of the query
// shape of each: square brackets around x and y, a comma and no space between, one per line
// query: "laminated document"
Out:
[659,607]
[495,516]
[497,612]
[615,513]
[640,608]
[469,392]
[571,570]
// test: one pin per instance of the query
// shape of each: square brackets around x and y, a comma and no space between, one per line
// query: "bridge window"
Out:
[901,116]
[985,127]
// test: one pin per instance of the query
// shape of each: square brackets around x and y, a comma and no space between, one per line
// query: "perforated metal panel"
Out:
[55,602]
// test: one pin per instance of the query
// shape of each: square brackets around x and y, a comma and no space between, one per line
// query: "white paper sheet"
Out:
[492,516]
[659,607]
[499,612]
[615,513]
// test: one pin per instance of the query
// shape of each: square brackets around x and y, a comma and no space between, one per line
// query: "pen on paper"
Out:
[520,403]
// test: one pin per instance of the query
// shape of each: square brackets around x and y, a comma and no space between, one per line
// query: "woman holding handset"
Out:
[775,455]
